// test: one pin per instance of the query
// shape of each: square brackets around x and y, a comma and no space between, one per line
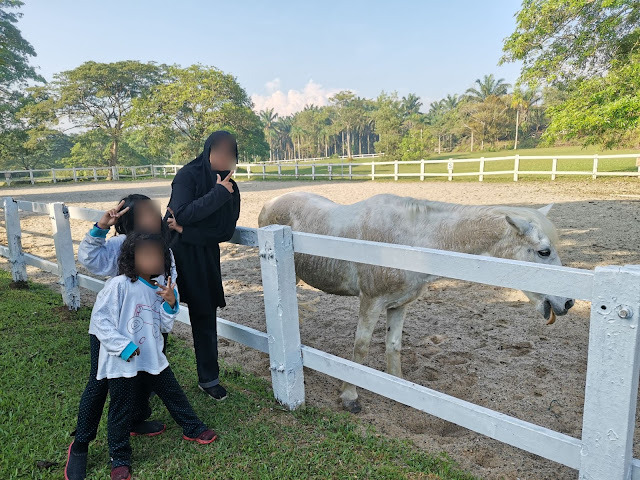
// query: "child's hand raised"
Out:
[110,217]
[167,293]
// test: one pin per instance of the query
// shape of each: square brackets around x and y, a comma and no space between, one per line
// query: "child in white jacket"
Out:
[129,316]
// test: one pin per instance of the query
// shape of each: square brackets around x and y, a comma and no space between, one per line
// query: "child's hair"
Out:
[127,257]
[126,223]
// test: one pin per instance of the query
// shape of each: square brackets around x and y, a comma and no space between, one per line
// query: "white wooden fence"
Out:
[341,170]
[603,453]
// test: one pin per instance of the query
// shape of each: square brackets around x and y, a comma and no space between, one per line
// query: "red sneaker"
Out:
[205,438]
[121,473]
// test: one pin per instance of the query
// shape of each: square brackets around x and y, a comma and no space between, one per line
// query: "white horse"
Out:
[506,232]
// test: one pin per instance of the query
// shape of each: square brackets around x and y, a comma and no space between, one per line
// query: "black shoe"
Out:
[217,392]
[148,429]
[76,467]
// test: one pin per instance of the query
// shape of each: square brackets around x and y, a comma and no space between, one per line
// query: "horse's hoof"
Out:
[352,406]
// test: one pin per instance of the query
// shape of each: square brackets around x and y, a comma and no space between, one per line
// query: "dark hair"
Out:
[219,137]
[126,223]
[127,257]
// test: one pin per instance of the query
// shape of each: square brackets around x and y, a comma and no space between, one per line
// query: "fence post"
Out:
[373,170]
[329,170]
[281,311]
[75,175]
[595,166]
[133,173]
[279,171]
[422,170]
[613,367]
[59,215]
[313,171]
[481,174]
[53,175]
[153,171]
[395,170]
[264,171]
[31,177]
[450,169]
[350,172]
[248,172]
[554,168]
[516,167]
[296,170]
[14,240]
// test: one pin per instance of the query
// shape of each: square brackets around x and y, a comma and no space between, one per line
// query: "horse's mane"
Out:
[531,215]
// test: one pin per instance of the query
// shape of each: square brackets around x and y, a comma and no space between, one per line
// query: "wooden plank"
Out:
[64,255]
[613,368]
[531,277]
[14,240]
[518,433]
[281,312]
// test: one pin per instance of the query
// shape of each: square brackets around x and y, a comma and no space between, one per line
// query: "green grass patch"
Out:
[44,363]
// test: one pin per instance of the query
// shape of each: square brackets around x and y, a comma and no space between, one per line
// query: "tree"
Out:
[572,39]
[411,104]
[268,118]
[601,110]
[15,51]
[348,110]
[388,118]
[192,103]
[487,87]
[522,101]
[100,96]
[488,118]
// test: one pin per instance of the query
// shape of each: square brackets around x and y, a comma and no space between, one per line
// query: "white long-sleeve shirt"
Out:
[129,315]
[100,254]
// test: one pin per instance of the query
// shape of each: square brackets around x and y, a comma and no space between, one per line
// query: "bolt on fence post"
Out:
[14,239]
[613,368]
[64,254]
[281,311]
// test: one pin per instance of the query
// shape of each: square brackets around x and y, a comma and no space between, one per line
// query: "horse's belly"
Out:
[327,274]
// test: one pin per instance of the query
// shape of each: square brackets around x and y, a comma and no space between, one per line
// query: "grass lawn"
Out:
[44,362]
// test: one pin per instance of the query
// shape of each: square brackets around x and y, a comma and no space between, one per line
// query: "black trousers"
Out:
[94,396]
[205,343]
[123,393]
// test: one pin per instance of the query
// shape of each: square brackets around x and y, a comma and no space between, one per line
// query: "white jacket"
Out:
[129,315]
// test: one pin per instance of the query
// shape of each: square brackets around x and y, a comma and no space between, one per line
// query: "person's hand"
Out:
[167,293]
[134,354]
[110,217]
[171,222]
[226,183]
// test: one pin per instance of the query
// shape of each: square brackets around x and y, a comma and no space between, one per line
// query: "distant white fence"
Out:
[325,169]
[603,453]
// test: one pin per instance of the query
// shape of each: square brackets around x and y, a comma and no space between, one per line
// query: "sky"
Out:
[286,54]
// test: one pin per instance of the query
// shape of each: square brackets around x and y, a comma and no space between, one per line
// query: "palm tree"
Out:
[285,143]
[522,101]
[411,104]
[487,87]
[451,101]
[268,118]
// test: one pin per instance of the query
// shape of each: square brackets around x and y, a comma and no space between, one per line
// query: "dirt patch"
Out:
[482,344]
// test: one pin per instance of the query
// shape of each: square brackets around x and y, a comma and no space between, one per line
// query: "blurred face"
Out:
[147,217]
[149,260]
[223,157]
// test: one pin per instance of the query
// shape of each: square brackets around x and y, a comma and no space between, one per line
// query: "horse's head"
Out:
[532,238]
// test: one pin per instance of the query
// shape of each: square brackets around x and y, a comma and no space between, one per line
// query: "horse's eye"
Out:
[544,253]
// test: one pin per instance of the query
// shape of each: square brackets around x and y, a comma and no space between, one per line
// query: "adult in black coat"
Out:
[203,211]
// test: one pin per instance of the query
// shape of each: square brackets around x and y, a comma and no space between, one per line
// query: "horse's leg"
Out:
[395,321]
[370,309]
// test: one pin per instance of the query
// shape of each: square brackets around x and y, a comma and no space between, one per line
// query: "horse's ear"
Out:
[520,224]
[545,210]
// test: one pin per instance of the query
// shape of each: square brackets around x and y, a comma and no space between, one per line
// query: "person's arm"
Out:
[99,255]
[220,233]
[105,318]
[188,210]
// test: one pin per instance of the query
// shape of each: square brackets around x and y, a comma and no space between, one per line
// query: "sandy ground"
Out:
[479,343]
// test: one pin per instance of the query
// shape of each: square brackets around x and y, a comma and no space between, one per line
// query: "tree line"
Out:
[580,83]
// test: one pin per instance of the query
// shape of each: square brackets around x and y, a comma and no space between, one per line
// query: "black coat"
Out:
[208,213]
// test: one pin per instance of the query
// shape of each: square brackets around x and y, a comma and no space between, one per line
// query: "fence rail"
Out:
[613,367]
[325,169]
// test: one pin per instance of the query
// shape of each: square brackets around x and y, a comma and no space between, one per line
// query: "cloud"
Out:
[294,100]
